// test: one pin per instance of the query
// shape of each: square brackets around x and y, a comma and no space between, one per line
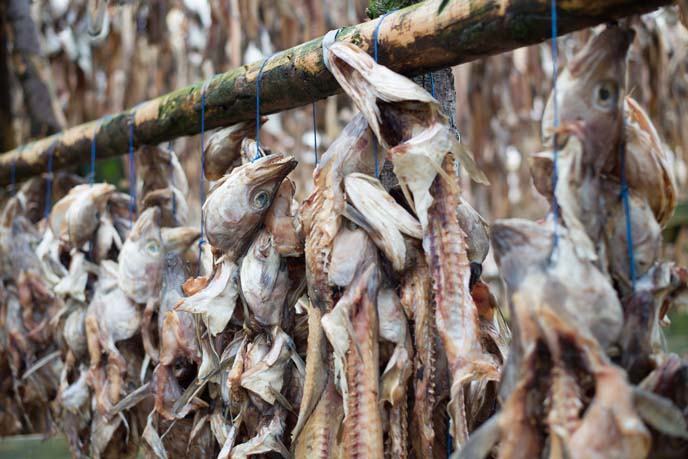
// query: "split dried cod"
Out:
[409,125]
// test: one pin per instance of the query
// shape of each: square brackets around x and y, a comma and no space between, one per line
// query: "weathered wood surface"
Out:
[413,41]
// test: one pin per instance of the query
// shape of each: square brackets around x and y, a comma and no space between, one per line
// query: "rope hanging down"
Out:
[92,175]
[555,169]
[201,240]
[170,152]
[315,136]
[260,74]
[375,46]
[132,167]
[627,209]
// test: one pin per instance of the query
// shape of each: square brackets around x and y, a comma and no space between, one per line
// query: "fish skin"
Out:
[416,296]
[75,216]
[223,150]
[383,218]
[648,163]
[318,438]
[320,215]
[557,343]
[321,212]
[522,251]
[282,221]
[172,204]
[456,316]
[141,259]
[596,71]
[158,168]
[264,280]
[362,434]
[237,204]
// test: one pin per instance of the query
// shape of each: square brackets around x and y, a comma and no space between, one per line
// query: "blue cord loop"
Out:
[375,55]
[555,168]
[201,240]
[132,167]
[92,175]
[49,180]
[315,136]
[170,152]
[627,211]
[260,75]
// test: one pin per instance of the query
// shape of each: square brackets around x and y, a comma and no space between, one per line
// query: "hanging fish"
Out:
[237,204]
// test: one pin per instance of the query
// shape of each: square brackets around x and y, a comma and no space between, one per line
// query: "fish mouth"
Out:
[270,168]
[608,47]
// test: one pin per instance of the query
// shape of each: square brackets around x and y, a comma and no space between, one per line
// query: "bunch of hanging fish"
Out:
[355,324]
[587,374]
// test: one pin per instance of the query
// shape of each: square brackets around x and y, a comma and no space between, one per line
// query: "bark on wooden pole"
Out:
[413,41]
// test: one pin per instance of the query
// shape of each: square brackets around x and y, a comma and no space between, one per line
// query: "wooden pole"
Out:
[413,41]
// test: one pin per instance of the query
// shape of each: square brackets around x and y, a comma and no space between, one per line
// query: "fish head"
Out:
[264,280]
[237,206]
[519,244]
[141,259]
[591,89]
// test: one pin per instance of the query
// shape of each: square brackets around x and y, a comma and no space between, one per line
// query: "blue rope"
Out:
[49,180]
[432,84]
[132,167]
[174,196]
[201,241]
[555,168]
[377,32]
[627,211]
[315,136]
[92,176]
[260,74]
[375,55]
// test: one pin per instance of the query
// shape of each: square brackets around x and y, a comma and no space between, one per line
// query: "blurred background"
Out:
[148,48]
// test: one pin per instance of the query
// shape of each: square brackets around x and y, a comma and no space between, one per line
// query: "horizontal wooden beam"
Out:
[412,41]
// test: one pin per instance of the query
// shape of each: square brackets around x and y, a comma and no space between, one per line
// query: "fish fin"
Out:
[482,440]
[660,413]
[465,158]
[407,194]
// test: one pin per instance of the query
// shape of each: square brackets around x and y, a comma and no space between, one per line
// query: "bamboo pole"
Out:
[413,41]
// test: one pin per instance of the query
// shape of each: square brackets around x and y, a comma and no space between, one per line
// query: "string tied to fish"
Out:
[201,239]
[170,153]
[627,207]
[132,166]
[315,136]
[258,78]
[375,56]
[555,151]
[92,174]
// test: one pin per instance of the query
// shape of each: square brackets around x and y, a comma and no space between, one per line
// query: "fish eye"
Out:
[261,200]
[153,248]
[606,95]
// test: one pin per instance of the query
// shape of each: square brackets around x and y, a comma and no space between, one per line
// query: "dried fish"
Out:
[223,150]
[237,204]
